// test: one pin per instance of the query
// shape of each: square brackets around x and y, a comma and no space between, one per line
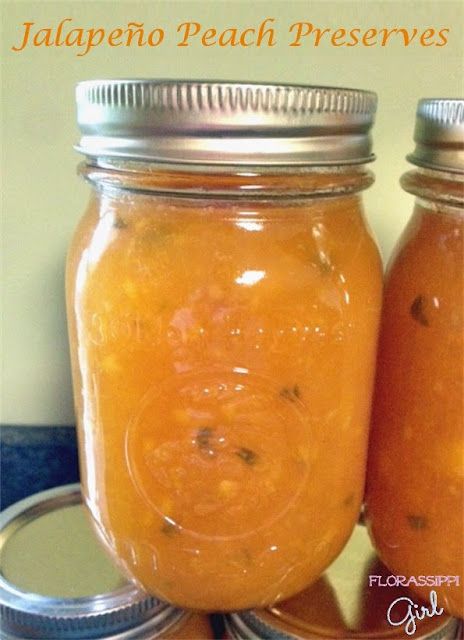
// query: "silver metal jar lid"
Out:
[340,604]
[439,135]
[247,626]
[224,123]
[126,613]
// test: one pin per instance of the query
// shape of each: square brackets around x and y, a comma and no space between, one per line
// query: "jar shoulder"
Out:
[430,250]
[152,228]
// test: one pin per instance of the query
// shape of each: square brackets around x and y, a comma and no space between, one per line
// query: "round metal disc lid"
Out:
[341,604]
[224,123]
[39,536]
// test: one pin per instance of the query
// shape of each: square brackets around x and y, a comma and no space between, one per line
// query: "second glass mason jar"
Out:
[415,481]
[223,299]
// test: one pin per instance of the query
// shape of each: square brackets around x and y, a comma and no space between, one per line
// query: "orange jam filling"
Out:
[416,468]
[223,355]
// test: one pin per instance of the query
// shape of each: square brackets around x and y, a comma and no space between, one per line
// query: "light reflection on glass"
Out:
[250,226]
[250,277]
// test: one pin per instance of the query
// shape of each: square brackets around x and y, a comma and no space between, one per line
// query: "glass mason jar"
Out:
[415,492]
[223,298]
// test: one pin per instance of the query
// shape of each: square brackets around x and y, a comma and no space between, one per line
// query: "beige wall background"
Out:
[42,198]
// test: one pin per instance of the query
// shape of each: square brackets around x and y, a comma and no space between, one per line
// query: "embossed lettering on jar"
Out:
[223,298]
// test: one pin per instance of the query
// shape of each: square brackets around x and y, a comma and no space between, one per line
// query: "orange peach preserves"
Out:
[223,354]
[415,494]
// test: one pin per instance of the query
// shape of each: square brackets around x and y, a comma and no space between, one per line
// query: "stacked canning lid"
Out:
[57,584]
